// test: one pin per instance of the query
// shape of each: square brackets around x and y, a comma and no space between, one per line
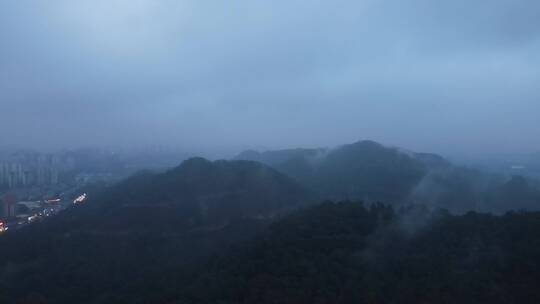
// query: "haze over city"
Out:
[452,77]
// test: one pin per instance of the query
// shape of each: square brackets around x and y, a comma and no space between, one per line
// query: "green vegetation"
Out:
[329,253]
[348,253]
[241,232]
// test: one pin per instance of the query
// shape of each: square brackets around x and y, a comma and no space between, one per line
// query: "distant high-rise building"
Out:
[9,202]
[29,169]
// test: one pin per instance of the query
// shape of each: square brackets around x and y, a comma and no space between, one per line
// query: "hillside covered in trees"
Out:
[140,238]
[198,193]
[369,171]
[350,253]
[344,252]
[242,232]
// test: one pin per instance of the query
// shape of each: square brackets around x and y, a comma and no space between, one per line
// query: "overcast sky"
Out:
[460,76]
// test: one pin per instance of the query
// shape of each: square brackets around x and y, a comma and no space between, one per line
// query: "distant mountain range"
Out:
[363,170]
[369,171]
[150,238]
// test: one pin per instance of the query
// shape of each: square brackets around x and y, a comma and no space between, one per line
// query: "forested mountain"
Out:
[231,232]
[363,170]
[349,253]
[143,238]
[344,252]
[200,192]
[372,172]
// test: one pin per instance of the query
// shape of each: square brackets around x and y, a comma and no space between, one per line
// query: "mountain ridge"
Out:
[369,171]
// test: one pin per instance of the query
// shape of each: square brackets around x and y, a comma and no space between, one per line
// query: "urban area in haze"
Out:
[370,151]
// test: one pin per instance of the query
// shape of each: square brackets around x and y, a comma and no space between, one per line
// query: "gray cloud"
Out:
[445,76]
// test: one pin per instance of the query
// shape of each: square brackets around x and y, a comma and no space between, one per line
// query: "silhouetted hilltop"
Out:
[144,237]
[148,239]
[199,192]
[363,170]
[372,172]
[277,157]
[431,160]
[367,170]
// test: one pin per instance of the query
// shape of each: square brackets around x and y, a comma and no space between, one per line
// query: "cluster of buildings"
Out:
[16,214]
[24,170]
[36,185]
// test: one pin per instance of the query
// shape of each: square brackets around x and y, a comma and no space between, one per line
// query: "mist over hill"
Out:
[239,232]
[351,253]
[197,193]
[120,121]
[145,232]
[369,171]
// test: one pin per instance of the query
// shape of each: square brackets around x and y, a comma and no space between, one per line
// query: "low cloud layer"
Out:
[444,76]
